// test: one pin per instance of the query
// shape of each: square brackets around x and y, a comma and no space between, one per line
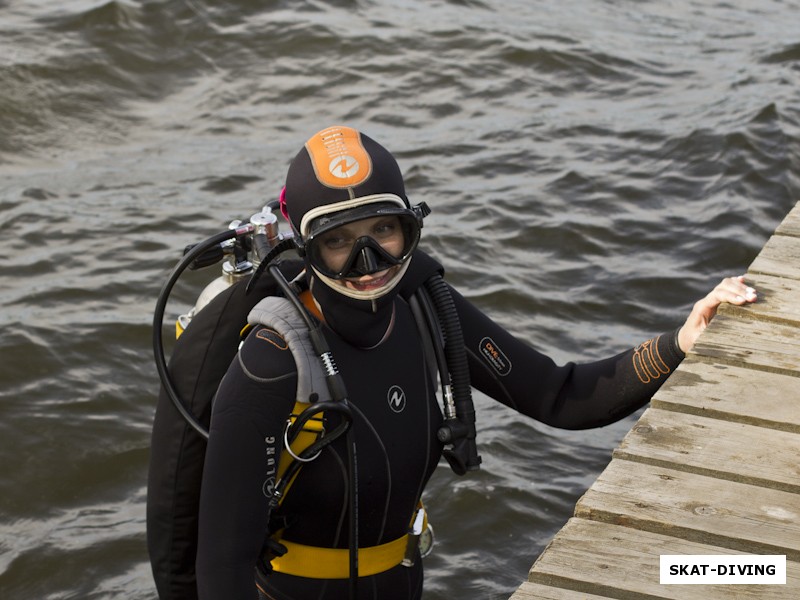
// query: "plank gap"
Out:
[619,562]
[669,463]
[693,507]
[589,587]
[724,415]
[716,359]
[535,591]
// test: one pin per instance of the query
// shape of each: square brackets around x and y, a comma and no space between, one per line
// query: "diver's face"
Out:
[336,246]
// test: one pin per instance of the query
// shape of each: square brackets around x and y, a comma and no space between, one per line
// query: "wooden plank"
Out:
[756,344]
[731,451]
[531,591]
[623,563]
[780,257]
[733,394]
[777,301]
[791,223]
[706,510]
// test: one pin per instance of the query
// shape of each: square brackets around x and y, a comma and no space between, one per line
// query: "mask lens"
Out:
[364,246]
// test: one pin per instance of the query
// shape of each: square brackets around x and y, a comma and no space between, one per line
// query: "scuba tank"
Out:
[208,337]
[208,341]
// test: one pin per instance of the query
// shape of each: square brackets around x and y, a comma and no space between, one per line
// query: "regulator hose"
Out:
[311,452]
[459,431]
[158,319]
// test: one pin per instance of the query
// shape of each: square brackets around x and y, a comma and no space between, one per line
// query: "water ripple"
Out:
[593,168]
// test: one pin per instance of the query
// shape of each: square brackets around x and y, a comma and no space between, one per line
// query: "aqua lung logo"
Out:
[396,398]
[343,166]
[272,466]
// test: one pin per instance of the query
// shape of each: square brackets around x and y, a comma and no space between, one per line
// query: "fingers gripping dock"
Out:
[712,467]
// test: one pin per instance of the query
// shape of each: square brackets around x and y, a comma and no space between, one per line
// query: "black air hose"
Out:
[459,432]
[192,253]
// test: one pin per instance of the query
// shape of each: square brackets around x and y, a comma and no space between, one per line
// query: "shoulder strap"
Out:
[279,314]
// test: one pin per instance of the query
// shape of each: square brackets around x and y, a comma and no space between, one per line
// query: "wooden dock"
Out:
[712,467]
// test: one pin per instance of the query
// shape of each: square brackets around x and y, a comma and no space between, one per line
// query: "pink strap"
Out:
[282,200]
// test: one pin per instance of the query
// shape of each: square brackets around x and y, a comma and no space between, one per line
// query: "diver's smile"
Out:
[371,282]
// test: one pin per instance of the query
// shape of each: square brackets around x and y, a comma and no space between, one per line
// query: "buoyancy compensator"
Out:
[208,339]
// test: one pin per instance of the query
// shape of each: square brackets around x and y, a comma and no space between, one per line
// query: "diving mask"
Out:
[360,237]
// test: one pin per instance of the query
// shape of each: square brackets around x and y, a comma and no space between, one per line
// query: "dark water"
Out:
[594,167]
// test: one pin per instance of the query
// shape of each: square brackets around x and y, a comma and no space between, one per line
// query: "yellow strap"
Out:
[334,563]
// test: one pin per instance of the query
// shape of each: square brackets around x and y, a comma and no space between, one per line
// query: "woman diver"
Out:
[358,235]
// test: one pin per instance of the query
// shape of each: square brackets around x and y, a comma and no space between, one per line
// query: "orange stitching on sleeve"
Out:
[647,361]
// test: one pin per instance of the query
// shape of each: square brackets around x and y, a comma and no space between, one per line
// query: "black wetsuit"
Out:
[395,437]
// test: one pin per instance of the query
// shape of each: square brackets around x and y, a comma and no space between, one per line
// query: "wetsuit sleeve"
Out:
[245,440]
[571,396]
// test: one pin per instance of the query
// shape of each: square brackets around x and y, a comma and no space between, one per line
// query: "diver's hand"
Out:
[731,289]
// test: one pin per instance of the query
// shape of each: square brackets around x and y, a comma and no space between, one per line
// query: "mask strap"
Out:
[282,202]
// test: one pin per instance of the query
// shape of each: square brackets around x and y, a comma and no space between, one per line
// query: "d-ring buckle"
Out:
[289,448]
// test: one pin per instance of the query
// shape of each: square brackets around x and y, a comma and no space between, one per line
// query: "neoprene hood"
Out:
[340,173]
[339,164]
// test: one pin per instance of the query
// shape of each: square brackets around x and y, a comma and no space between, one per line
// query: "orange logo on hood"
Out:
[339,157]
